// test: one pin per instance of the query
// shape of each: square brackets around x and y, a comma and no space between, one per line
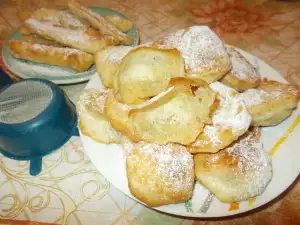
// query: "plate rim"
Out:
[71,80]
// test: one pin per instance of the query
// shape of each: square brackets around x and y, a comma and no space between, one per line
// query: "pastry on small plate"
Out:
[91,119]
[99,22]
[270,103]
[159,174]
[122,24]
[84,40]
[58,56]
[239,172]
[243,74]
[203,52]
[230,120]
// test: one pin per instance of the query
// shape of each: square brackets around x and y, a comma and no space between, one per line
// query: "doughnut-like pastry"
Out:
[91,121]
[203,52]
[145,72]
[108,61]
[243,74]
[239,172]
[159,174]
[176,115]
[271,103]
[230,120]
[118,115]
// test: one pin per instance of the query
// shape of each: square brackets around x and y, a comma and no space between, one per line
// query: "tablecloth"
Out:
[71,191]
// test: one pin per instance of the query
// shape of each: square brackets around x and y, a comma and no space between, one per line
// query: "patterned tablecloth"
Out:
[71,191]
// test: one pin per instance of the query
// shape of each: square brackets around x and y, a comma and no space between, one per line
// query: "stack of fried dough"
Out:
[69,39]
[185,108]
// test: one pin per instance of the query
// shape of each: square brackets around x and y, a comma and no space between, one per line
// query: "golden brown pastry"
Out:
[24,30]
[24,14]
[239,172]
[68,57]
[108,61]
[111,40]
[99,22]
[176,115]
[230,120]
[85,40]
[145,72]
[243,74]
[59,18]
[36,39]
[159,174]
[271,103]
[122,24]
[203,52]
[91,121]
[69,20]
[118,115]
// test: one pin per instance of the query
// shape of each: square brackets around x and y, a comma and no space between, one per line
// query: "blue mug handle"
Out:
[35,166]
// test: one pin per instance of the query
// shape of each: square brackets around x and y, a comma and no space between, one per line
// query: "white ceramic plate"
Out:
[57,74]
[110,161]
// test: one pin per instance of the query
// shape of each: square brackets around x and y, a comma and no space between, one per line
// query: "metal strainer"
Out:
[36,118]
[24,101]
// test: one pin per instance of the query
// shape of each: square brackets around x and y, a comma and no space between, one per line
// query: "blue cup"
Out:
[43,134]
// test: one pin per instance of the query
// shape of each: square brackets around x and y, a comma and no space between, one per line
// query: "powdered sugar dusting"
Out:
[94,99]
[253,162]
[70,20]
[232,112]
[118,53]
[199,46]
[253,97]
[212,133]
[65,50]
[173,165]
[47,28]
[241,68]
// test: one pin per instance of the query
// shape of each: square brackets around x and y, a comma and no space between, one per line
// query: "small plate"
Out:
[56,74]
[284,138]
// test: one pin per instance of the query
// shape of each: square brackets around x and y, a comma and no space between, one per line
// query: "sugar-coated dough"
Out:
[118,115]
[145,72]
[177,115]
[108,61]
[229,121]
[203,52]
[243,74]
[92,122]
[159,174]
[271,102]
[237,173]
[58,56]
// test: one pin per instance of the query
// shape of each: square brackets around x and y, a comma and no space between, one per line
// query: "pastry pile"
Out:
[69,39]
[186,108]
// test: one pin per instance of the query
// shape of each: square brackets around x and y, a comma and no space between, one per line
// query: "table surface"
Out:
[71,191]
